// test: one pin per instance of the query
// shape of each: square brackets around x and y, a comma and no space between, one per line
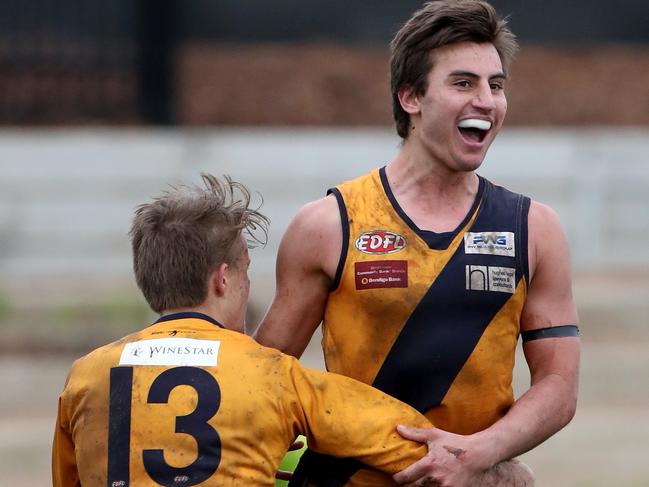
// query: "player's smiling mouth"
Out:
[474,130]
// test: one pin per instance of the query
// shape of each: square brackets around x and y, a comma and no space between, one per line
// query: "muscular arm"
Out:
[306,265]
[549,404]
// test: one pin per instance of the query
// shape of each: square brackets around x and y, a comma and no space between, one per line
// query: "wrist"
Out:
[486,450]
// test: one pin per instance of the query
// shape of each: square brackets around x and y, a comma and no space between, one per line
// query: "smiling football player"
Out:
[435,320]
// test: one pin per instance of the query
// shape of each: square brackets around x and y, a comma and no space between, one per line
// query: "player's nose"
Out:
[484,98]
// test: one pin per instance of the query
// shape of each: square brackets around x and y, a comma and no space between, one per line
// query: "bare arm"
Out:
[306,264]
[549,404]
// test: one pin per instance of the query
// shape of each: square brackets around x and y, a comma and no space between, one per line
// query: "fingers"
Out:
[416,474]
[423,471]
[421,435]
[296,445]
[283,475]
[427,481]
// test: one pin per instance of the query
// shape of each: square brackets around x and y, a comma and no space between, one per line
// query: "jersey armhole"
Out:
[523,232]
[344,221]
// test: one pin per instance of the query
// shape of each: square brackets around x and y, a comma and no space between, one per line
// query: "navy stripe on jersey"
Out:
[503,211]
[522,237]
[436,241]
[324,471]
[550,332]
[345,227]
[119,426]
[444,328]
[437,339]
[446,325]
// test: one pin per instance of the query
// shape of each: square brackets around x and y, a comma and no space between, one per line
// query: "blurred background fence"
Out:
[102,104]
[227,62]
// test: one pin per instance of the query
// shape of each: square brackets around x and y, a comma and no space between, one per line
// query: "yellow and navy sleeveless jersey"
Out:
[185,402]
[430,318]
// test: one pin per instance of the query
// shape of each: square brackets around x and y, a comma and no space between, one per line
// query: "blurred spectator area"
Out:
[223,62]
[335,85]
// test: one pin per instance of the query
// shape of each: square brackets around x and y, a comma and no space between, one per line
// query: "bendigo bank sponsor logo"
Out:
[381,274]
[380,242]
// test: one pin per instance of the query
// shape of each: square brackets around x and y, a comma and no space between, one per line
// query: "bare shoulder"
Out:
[314,236]
[306,264]
[543,215]
[547,238]
[319,216]
[549,301]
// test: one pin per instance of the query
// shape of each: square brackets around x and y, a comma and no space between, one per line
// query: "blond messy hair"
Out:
[182,236]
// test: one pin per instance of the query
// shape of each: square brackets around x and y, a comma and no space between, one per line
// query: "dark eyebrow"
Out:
[469,74]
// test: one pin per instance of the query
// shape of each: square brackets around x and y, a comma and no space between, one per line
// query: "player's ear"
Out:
[409,100]
[218,281]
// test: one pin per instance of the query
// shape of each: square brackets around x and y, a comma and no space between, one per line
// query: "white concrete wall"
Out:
[67,197]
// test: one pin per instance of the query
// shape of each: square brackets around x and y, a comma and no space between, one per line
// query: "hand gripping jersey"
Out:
[186,402]
[430,318]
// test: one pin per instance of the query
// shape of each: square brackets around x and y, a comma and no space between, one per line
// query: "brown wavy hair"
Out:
[439,23]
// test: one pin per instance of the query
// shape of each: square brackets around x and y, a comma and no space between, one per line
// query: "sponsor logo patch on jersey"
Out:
[490,278]
[381,273]
[171,351]
[492,243]
[380,242]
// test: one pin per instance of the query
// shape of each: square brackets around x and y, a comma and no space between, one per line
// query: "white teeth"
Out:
[474,123]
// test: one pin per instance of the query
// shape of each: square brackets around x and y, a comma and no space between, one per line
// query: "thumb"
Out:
[422,435]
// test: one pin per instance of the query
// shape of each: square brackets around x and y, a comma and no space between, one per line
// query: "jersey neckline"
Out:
[188,314]
[434,240]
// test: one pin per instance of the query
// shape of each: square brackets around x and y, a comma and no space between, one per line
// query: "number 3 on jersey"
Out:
[194,424]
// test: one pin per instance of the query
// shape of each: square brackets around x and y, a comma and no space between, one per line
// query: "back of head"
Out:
[181,237]
[439,23]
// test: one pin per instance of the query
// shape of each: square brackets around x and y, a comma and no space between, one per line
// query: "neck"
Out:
[413,170]
[212,311]
[435,197]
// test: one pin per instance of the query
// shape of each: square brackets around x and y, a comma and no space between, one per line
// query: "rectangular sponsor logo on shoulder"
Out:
[489,278]
[171,351]
[381,273]
[490,243]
